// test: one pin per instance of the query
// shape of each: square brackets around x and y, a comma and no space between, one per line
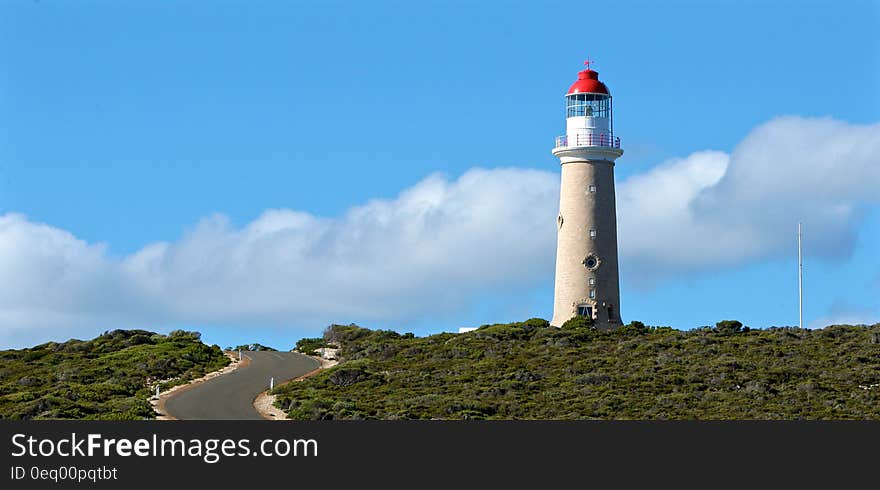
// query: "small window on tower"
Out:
[592,293]
[592,281]
[592,187]
[592,233]
[586,311]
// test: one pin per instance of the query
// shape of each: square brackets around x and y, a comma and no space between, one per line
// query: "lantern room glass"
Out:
[595,105]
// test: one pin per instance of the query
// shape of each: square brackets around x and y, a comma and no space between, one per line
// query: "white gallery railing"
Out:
[589,139]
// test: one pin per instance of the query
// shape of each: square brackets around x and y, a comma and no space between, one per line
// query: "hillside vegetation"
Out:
[252,347]
[109,377]
[529,370]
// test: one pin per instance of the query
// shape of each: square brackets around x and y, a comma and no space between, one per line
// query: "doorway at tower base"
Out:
[581,320]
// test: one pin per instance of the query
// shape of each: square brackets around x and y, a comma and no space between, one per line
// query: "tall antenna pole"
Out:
[800,280]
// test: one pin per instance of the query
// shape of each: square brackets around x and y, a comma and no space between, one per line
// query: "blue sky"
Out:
[135,123]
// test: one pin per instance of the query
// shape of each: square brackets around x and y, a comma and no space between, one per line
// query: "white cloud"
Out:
[658,228]
[424,253]
[712,209]
[822,171]
[441,243]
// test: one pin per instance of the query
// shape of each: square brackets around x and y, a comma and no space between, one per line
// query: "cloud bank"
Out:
[424,253]
[441,243]
[714,209]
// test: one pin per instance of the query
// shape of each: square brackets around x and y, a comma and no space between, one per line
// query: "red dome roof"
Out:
[588,82]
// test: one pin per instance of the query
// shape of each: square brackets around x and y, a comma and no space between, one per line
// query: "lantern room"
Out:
[588,119]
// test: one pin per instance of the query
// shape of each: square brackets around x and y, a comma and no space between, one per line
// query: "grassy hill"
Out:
[531,371]
[109,377]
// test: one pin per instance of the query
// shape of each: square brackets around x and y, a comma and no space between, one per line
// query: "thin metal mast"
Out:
[800,280]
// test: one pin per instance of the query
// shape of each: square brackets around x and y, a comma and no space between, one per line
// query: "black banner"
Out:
[377,454]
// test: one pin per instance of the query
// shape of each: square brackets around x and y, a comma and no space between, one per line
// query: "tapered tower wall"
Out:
[587,232]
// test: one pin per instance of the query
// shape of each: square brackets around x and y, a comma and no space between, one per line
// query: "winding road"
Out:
[230,396]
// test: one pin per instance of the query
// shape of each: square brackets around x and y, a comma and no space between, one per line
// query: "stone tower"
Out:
[587,281]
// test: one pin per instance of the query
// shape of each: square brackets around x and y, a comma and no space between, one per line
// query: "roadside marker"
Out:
[272,383]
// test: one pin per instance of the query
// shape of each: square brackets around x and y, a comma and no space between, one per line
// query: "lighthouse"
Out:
[587,281]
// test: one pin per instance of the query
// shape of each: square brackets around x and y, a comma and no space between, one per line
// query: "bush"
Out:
[184,335]
[728,327]
[340,334]
[252,347]
[309,346]
[578,322]
[348,377]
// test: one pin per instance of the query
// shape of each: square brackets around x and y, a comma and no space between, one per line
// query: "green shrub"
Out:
[309,346]
[252,347]
[728,327]
[577,322]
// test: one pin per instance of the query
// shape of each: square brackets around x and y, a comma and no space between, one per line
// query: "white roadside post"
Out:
[272,383]
[157,391]
[239,355]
